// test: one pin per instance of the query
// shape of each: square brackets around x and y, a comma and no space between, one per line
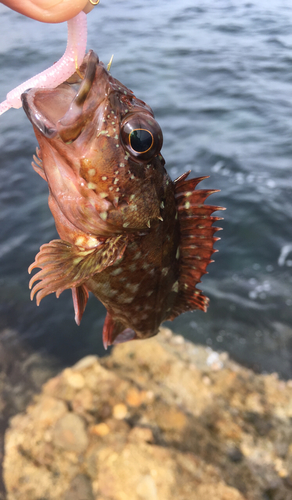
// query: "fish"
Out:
[131,236]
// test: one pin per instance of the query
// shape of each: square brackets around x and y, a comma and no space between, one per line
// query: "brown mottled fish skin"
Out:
[129,234]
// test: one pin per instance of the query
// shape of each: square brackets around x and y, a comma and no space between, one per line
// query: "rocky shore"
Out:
[157,420]
[22,374]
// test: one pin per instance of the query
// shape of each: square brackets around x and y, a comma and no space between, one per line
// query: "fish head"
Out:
[90,129]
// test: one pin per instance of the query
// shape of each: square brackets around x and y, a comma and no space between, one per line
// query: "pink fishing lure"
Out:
[58,72]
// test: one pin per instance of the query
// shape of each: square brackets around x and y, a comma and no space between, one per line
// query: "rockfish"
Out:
[137,240]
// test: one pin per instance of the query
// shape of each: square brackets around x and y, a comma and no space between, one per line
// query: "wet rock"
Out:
[158,419]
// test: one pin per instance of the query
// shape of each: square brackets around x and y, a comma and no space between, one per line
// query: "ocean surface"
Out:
[218,76]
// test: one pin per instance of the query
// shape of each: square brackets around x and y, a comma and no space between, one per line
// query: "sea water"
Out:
[218,76]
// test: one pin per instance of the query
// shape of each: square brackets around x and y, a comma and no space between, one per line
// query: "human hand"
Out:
[49,11]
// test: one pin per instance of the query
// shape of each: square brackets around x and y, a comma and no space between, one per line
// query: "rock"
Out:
[22,373]
[80,489]
[69,433]
[157,419]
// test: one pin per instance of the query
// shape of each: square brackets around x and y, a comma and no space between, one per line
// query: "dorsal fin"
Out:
[196,242]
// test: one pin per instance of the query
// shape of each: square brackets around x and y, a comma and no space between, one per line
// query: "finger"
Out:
[49,11]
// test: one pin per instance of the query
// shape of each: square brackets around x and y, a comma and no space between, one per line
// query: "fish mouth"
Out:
[62,111]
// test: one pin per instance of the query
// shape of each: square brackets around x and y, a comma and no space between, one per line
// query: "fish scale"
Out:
[129,234]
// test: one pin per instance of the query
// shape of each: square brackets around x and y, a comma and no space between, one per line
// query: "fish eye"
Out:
[141,136]
[141,140]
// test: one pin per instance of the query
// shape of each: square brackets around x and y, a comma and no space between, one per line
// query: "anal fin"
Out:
[196,242]
[64,265]
[114,332]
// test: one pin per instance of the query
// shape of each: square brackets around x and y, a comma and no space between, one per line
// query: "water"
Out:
[219,78]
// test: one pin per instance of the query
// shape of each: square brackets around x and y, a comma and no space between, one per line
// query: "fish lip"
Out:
[41,122]
[70,125]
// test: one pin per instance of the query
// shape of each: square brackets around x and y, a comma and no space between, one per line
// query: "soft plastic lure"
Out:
[58,72]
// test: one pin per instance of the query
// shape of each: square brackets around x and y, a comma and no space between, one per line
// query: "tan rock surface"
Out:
[157,420]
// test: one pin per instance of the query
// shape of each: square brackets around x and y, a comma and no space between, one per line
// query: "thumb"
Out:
[49,11]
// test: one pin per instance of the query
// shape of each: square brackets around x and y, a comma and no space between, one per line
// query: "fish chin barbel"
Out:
[61,70]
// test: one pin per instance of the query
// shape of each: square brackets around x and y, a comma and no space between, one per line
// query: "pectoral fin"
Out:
[64,266]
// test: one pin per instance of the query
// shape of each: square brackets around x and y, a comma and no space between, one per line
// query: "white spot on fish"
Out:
[91,172]
[116,180]
[80,241]
[164,271]
[125,299]
[91,185]
[117,271]
[103,215]
[175,287]
[104,178]
[122,165]
[132,288]
[106,289]
[187,205]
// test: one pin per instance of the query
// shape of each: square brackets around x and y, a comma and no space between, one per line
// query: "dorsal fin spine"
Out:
[196,242]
